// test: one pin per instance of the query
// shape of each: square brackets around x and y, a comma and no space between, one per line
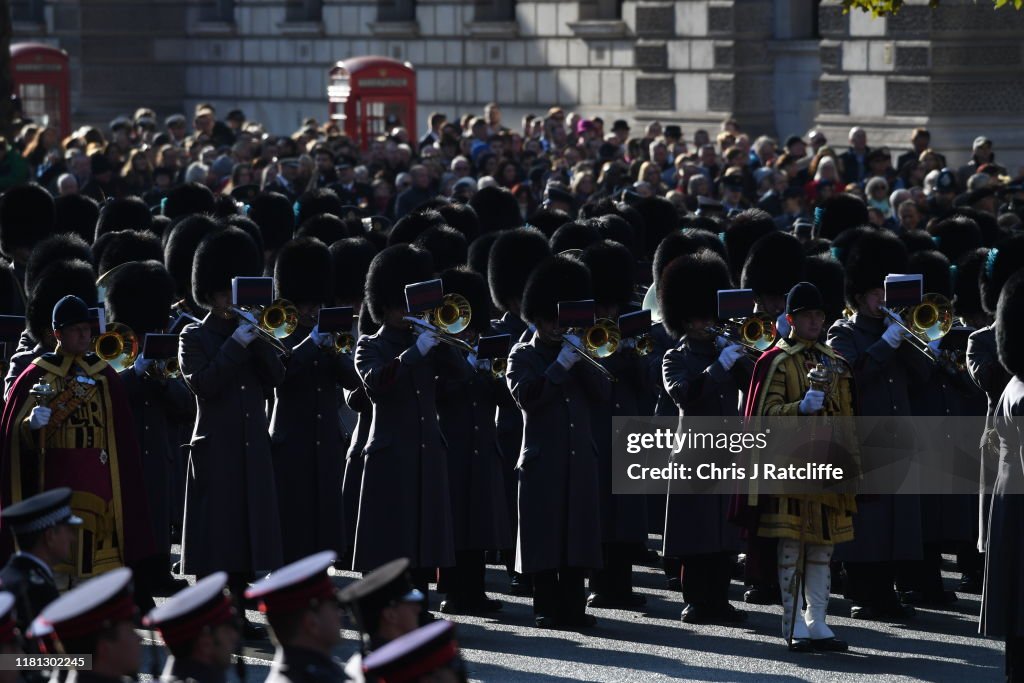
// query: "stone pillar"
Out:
[957,69]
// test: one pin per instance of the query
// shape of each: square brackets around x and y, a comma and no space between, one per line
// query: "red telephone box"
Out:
[370,95]
[42,80]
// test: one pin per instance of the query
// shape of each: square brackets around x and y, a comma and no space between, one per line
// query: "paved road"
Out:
[653,645]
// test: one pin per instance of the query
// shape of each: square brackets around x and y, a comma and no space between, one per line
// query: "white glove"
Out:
[39,417]
[729,355]
[426,341]
[893,335]
[244,334]
[568,356]
[473,362]
[318,338]
[142,365]
[782,326]
[812,402]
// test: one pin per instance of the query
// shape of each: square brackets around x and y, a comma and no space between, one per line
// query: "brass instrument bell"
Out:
[118,346]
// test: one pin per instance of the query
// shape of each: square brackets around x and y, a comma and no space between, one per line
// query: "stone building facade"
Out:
[778,66]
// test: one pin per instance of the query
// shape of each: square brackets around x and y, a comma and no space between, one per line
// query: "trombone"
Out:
[449,318]
[118,346]
[928,321]
[600,340]
[755,333]
[272,323]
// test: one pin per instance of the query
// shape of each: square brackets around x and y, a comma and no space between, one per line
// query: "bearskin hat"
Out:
[180,250]
[497,209]
[325,227]
[223,255]
[933,266]
[955,235]
[817,246]
[56,281]
[188,199]
[915,240]
[66,247]
[513,256]
[161,226]
[114,248]
[304,272]
[660,218]
[745,229]
[556,278]
[76,213]
[248,225]
[409,227]
[966,286]
[1003,260]
[826,273]
[843,244]
[873,256]
[612,267]
[274,215]
[1010,325]
[447,247]
[27,217]
[390,271]
[688,289]
[319,201]
[463,218]
[128,213]
[480,252]
[838,213]
[616,228]
[676,244]
[547,220]
[574,236]
[473,287]
[774,264]
[140,295]
[366,323]
[351,260]
[988,224]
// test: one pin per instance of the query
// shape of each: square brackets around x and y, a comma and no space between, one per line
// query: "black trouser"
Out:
[560,594]
[924,575]
[761,567]
[616,578]
[673,567]
[871,583]
[1015,659]
[706,579]
[465,581]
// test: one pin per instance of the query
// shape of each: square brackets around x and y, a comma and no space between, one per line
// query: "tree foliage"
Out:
[882,8]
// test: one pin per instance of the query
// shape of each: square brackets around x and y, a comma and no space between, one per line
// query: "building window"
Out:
[494,10]
[217,10]
[27,11]
[303,10]
[396,10]
[608,10]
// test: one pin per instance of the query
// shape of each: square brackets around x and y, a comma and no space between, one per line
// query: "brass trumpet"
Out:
[344,342]
[600,340]
[926,322]
[165,369]
[755,333]
[447,320]
[499,366]
[272,323]
[118,346]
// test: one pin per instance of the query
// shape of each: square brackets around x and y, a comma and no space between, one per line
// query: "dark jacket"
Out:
[887,527]
[1002,606]
[404,504]
[559,515]
[31,585]
[306,443]
[509,420]
[697,524]
[231,521]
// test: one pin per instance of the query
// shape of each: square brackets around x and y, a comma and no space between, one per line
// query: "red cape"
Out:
[138,542]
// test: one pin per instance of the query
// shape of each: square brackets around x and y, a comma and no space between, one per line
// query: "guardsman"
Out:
[81,436]
[807,526]
[44,532]
[559,517]
[703,376]
[231,371]
[305,434]
[304,614]
[888,526]
[1002,610]
[429,653]
[513,256]
[96,618]
[199,627]
[383,605]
